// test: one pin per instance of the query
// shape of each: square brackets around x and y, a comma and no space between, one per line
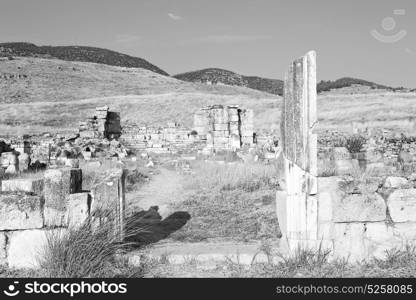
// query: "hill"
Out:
[272,86]
[329,85]
[77,53]
[38,94]
[217,76]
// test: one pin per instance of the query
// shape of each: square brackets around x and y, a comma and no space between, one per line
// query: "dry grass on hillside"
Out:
[57,95]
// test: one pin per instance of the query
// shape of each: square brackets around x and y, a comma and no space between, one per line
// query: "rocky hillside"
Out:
[77,53]
[272,86]
[217,76]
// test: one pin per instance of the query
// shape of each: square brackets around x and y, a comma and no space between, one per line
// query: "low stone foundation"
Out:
[358,225]
[33,209]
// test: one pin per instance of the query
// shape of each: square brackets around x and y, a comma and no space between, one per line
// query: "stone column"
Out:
[297,205]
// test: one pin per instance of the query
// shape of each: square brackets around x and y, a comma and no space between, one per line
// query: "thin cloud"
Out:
[127,38]
[231,38]
[174,17]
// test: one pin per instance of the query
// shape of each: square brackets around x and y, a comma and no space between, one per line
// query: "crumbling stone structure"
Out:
[31,209]
[169,139]
[104,124]
[225,127]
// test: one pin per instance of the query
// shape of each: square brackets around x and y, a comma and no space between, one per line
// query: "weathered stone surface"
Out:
[12,170]
[24,160]
[402,205]
[380,237]
[108,200]
[107,191]
[406,231]
[28,185]
[26,247]
[360,208]
[346,166]
[395,182]
[329,193]
[19,211]
[2,248]
[58,184]
[340,153]
[8,158]
[349,241]
[78,209]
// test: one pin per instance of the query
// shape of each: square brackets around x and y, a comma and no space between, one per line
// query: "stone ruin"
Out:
[170,139]
[353,219]
[225,127]
[104,124]
[32,209]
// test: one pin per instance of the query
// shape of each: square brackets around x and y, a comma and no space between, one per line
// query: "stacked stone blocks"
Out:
[31,209]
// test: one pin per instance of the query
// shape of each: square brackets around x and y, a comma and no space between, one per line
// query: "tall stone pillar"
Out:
[297,205]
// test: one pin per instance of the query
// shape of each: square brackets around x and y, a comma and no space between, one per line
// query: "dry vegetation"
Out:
[231,201]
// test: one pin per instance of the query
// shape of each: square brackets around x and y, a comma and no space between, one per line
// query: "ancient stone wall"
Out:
[356,214]
[170,139]
[224,127]
[104,124]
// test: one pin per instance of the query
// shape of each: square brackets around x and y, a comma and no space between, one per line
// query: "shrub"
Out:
[85,252]
[355,143]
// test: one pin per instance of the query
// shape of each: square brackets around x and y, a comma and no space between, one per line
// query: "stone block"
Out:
[8,158]
[78,209]
[340,153]
[221,127]
[27,185]
[346,166]
[220,133]
[12,169]
[58,184]
[24,161]
[349,241]
[20,211]
[378,238]
[402,205]
[26,247]
[360,208]
[107,191]
[325,231]
[394,182]
[406,231]
[325,206]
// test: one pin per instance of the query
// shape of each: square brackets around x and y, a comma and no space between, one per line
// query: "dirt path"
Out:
[163,189]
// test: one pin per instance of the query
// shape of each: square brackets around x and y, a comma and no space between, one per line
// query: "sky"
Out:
[369,39]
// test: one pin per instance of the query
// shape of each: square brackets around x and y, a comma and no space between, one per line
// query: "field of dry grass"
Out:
[233,201]
[56,95]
